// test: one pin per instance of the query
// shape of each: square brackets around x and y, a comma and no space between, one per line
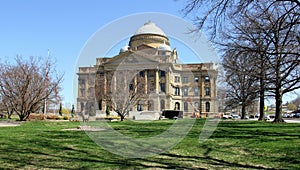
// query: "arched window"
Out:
[177,106]
[139,106]
[162,105]
[207,107]
[186,106]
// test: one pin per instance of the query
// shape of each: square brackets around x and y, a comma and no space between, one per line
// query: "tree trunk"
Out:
[243,111]
[261,99]
[122,117]
[278,103]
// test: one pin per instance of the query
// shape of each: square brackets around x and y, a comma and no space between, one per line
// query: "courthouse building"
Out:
[165,83]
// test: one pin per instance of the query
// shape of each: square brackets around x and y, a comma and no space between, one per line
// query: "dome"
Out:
[150,28]
[164,47]
[123,49]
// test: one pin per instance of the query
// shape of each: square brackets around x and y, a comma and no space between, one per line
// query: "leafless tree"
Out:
[242,86]
[268,28]
[212,16]
[25,85]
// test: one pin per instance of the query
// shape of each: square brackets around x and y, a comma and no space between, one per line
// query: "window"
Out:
[196,79]
[177,106]
[162,73]
[142,74]
[206,79]
[151,73]
[185,91]
[140,106]
[163,87]
[82,91]
[207,91]
[185,79]
[177,79]
[207,107]
[81,81]
[186,106]
[131,87]
[196,91]
[196,105]
[177,91]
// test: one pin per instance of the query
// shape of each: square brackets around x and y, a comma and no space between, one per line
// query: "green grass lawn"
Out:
[234,145]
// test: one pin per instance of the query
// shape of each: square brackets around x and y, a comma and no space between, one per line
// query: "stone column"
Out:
[156,82]
[146,81]
[135,84]
[105,84]
[167,82]
[114,83]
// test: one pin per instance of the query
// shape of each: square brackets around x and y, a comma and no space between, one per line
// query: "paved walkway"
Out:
[8,124]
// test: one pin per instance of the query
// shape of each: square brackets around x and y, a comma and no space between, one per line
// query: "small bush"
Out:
[52,117]
[34,116]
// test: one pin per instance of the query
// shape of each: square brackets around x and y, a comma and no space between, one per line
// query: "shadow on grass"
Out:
[55,149]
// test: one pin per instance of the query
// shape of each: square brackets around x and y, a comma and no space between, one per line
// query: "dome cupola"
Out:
[149,34]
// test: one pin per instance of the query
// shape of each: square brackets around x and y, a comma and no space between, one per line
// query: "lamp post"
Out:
[200,89]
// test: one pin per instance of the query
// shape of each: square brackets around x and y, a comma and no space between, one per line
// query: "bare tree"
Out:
[268,28]
[213,15]
[242,86]
[126,92]
[25,85]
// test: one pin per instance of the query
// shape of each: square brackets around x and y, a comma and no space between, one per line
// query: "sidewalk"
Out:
[8,124]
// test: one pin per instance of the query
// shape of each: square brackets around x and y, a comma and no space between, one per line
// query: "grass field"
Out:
[234,145]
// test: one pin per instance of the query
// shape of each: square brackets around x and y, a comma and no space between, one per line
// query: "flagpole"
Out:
[45,104]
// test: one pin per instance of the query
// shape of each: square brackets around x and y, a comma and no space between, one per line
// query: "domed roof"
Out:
[150,28]
[123,49]
[164,47]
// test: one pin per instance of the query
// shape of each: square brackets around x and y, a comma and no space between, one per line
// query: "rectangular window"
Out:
[185,79]
[206,79]
[186,106]
[177,79]
[196,91]
[207,91]
[162,73]
[177,91]
[196,105]
[185,91]
[163,87]
[82,91]
[196,79]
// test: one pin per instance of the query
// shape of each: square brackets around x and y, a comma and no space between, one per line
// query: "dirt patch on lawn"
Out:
[85,128]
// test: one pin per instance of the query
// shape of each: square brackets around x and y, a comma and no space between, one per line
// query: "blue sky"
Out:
[31,27]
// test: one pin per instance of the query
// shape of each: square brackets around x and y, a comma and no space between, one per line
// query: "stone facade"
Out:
[149,66]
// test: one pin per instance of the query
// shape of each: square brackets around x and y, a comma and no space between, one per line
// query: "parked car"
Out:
[235,116]
[251,117]
[267,117]
[296,115]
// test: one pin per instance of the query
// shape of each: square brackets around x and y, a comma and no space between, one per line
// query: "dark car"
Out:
[296,115]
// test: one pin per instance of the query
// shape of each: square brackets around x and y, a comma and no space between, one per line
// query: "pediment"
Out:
[132,58]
